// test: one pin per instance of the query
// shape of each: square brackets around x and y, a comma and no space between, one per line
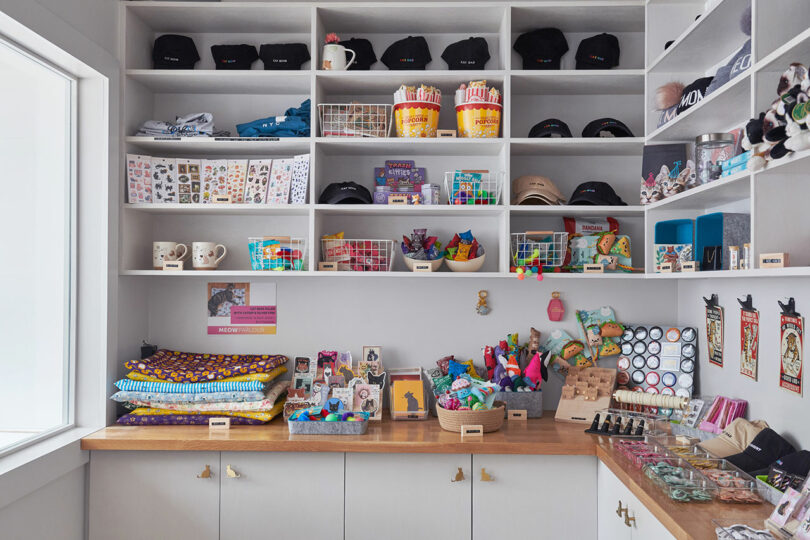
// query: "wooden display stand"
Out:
[586,391]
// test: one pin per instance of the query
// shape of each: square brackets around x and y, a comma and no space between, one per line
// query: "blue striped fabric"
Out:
[190,388]
[198,397]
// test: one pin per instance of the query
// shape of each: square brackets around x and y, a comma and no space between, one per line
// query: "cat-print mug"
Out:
[167,251]
[204,255]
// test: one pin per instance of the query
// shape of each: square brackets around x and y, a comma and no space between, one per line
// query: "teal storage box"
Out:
[675,231]
[721,229]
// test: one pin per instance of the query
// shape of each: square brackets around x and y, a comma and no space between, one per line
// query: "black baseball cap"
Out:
[471,53]
[283,55]
[345,193]
[411,52]
[797,464]
[598,52]
[607,125]
[595,194]
[550,127]
[541,48]
[694,93]
[234,56]
[767,447]
[174,52]
[364,53]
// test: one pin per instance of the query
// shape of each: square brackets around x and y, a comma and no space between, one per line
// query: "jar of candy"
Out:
[710,150]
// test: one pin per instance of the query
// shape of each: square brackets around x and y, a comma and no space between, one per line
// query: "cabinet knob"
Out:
[628,520]
[485,476]
[231,473]
[206,472]
[621,510]
[459,476]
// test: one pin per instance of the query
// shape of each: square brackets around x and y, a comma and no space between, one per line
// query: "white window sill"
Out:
[40,463]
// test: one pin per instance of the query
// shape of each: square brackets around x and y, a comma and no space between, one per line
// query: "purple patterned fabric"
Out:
[179,419]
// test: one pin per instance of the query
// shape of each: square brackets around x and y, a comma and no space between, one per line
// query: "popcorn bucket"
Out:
[416,118]
[479,119]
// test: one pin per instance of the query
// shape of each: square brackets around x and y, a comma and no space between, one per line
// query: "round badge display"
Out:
[623,363]
[654,347]
[682,392]
[622,378]
[685,380]
[651,390]
[653,378]
[639,347]
[656,332]
[666,391]
[688,334]
[688,350]
[638,376]
[639,362]
[653,362]
[688,366]
[669,379]
[627,335]
[641,333]
[627,348]
[673,335]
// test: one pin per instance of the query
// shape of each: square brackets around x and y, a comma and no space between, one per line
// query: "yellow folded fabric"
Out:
[264,416]
[261,377]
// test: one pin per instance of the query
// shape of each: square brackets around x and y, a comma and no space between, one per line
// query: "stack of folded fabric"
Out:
[173,387]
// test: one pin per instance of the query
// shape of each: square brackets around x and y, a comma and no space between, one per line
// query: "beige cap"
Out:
[535,190]
[734,438]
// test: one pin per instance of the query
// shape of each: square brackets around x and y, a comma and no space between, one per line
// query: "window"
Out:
[37,231]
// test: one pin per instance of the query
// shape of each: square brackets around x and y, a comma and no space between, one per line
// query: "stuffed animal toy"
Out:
[506,383]
[512,366]
[518,384]
[499,373]
[454,369]
[490,361]
[534,371]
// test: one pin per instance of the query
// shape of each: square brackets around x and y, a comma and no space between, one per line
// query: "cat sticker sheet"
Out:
[188,180]
[139,178]
[237,173]
[280,180]
[258,176]
[300,179]
[214,178]
[164,180]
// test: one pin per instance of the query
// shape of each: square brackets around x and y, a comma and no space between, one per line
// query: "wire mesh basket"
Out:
[359,255]
[539,248]
[277,253]
[473,187]
[354,119]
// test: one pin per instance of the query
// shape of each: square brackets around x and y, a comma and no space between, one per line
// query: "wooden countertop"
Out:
[691,521]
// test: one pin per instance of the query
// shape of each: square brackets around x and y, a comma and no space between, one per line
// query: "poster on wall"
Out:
[749,341]
[714,331]
[791,352]
[241,308]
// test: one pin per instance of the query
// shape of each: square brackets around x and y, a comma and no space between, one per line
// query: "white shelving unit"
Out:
[574,96]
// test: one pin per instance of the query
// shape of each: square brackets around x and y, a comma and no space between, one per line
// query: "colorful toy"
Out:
[421,247]
[454,369]
[600,331]
[555,310]
[463,247]
[533,371]
[490,361]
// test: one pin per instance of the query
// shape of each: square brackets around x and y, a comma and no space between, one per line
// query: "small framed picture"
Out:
[303,366]
[372,353]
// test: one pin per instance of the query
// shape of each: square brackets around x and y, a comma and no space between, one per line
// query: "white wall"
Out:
[784,411]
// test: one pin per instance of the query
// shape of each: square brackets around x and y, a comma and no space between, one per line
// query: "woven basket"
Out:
[491,419]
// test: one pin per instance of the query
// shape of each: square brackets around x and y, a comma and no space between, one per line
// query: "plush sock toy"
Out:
[490,361]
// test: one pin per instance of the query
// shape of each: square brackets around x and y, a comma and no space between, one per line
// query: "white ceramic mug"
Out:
[334,57]
[203,255]
[167,251]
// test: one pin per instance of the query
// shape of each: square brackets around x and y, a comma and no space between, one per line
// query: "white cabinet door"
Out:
[611,493]
[534,497]
[138,495]
[647,527]
[407,496]
[281,495]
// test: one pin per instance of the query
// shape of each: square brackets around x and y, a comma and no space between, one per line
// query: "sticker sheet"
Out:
[791,352]
[237,173]
[188,180]
[258,176]
[749,342]
[139,178]
[300,179]
[164,180]
[280,180]
[214,178]
[714,334]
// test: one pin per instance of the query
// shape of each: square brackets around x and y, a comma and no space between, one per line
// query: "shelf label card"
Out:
[472,430]
[593,269]
[221,199]
[327,266]
[422,267]
[517,414]
[219,423]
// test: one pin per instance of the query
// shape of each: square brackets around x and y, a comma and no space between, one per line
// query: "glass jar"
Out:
[710,150]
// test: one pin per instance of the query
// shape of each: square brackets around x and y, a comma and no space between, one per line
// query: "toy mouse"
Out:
[506,383]
[512,366]
[489,360]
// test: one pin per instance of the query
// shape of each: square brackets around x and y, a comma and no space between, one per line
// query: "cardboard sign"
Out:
[327,266]
[397,199]
[422,267]
[221,199]
[473,430]
[219,423]
[440,133]
[714,334]
[517,414]
[689,266]
[593,269]
[749,342]
[774,260]
[791,352]
[173,265]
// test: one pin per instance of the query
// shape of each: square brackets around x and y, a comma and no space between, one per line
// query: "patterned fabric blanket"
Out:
[265,404]
[189,388]
[263,377]
[149,416]
[186,367]
[172,397]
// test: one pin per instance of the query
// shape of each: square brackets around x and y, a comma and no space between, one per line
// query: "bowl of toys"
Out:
[320,421]
[421,248]
[462,398]
[464,253]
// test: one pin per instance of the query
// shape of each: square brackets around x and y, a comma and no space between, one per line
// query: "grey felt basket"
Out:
[298,427]
[531,402]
